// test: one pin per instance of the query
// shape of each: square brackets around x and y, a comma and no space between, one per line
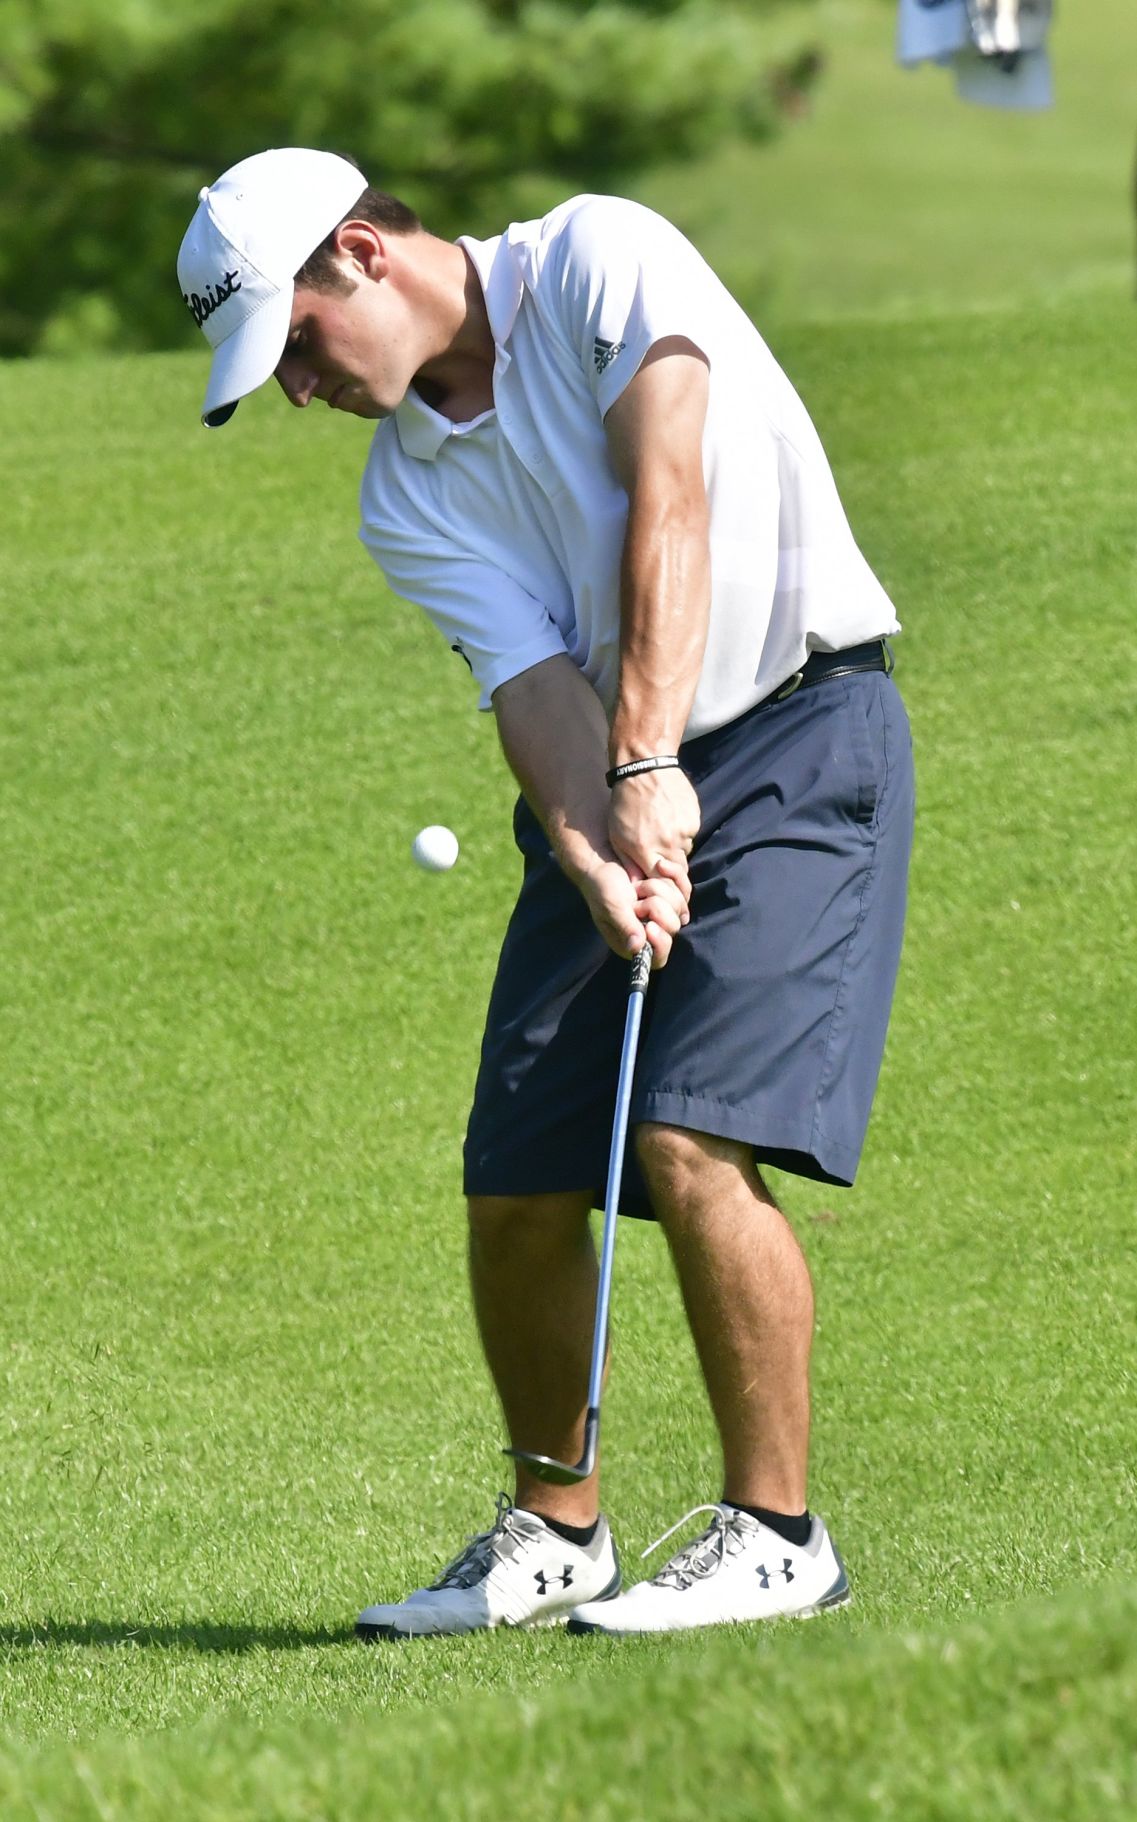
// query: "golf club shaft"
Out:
[546,1467]
[641,970]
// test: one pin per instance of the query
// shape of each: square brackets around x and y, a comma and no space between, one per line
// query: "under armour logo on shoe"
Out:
[604,353]
[545,1582]
[786,1569]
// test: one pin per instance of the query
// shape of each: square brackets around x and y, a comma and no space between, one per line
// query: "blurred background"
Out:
[818,176]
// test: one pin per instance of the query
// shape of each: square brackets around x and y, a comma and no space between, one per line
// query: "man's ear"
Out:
[365,246]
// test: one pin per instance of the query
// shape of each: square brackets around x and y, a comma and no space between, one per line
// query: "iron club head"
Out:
[563,1473]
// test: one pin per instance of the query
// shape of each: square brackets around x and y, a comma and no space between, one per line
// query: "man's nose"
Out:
[296,380]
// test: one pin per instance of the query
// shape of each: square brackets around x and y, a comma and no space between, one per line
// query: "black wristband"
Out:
[632,769]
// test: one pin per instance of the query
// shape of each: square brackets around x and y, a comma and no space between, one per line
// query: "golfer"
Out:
[590,472]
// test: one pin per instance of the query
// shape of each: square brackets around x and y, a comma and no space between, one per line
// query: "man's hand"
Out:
[554,733]
[653,816]
[629,910]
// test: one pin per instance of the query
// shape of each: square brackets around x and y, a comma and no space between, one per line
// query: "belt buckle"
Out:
[792,683]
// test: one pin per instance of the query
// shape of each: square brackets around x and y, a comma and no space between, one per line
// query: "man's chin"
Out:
[355,403]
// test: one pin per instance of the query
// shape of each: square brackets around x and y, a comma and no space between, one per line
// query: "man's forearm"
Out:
[665,602]
[554,734]
[655,438]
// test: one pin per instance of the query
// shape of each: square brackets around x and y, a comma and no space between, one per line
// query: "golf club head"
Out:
[563,1473]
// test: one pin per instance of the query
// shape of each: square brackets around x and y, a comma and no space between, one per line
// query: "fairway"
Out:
[243,1391]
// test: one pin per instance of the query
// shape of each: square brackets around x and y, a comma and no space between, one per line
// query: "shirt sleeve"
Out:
[619,278]
[484,615]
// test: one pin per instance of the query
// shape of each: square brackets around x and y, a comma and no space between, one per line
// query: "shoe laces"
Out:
[475,1561]
[704,1555]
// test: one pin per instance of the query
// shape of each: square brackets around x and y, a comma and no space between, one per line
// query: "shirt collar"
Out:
[422,430]
[501,281]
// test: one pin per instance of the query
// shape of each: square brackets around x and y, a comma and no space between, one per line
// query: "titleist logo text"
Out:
[201,308]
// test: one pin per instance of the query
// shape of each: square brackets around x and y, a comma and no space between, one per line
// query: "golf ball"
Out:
[435,848]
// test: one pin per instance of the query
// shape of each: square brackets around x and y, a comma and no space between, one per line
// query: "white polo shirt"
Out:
[509,529]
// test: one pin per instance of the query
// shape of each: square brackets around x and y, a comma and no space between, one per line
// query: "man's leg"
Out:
[533,1273]
[533,1269]
[749,1301]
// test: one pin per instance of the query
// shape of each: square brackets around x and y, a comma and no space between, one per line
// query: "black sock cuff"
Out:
[580,1535]
[794,1528]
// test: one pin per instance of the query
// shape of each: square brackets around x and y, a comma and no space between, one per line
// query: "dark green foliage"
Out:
[473,109]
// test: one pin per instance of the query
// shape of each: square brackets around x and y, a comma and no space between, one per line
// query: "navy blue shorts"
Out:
[767,1025]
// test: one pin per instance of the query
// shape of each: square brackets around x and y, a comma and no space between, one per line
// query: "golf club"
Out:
[563,1473]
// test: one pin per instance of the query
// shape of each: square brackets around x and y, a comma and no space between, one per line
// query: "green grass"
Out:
[894,196]
[242,1389]
[1031,1715]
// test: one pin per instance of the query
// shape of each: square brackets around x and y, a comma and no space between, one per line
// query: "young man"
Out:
[591,473]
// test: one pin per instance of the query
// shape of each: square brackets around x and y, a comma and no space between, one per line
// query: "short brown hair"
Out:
[320,271]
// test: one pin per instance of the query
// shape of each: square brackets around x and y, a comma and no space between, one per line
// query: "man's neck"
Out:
[458,382]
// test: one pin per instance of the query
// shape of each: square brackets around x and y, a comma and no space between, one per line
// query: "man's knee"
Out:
[681,1168]
[668,1155]
[673,1162]
[513,1225]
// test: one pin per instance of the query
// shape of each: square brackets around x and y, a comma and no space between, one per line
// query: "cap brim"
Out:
[247,358]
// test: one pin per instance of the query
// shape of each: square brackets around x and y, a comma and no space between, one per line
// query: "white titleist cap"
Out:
[252,231]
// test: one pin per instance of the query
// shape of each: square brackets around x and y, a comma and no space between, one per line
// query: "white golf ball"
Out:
[435,848]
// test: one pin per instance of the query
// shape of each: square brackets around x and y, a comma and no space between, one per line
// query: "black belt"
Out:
[820,666]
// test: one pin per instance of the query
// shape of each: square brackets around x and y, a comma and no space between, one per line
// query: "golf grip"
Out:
[641,971]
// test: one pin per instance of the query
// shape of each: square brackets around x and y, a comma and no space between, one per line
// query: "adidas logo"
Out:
[604,353]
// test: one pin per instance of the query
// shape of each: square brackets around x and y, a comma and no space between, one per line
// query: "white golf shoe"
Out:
[737,1569]
[518,1574]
